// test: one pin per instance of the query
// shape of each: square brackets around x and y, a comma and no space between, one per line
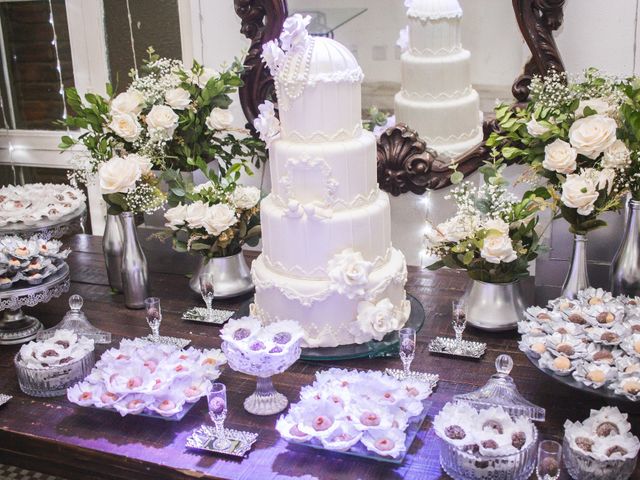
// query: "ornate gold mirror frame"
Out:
[405,162]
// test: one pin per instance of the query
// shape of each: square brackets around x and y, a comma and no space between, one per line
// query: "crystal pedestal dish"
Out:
[48,228]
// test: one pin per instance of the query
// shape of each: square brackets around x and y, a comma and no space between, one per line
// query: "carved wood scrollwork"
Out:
[261,21]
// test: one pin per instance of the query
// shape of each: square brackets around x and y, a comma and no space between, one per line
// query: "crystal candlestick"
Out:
[407,348]
[549,456]
[154,316]
[206,281]
[217,401]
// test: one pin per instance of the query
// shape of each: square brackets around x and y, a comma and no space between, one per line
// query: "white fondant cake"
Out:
[436,98]
[327,259]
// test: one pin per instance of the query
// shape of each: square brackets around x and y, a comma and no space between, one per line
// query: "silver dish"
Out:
[204,439]
[4,398]
[178,342]
[448,346]
[199,314]
[430,379]
[48,228]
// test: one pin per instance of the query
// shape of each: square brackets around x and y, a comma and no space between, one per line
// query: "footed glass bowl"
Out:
[461,465]
[584,467]
[53,381]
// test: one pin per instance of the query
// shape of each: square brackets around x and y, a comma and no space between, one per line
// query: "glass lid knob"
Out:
[504,364]
[75,302]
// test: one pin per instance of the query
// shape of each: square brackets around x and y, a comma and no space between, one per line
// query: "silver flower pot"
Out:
[112,248]
[232,276]
[494,306]
[577,276]
[625,267]
[135,272]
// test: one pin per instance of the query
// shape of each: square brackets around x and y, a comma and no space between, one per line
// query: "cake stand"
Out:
[387,347]
[17,327]
[47,228]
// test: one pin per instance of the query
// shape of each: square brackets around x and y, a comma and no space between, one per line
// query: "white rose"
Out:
[118,175]
[162,121]
[203,186]
[177,98]
[535,128]
[498,225]
[498,248]
[377,319]
[560,157]
[175,216]
[579,192]
[219,218]
[128,103]
[143,162]
[601,107]
[125,126]
[266,123]
[349,273]
[592,135]
[458,228]
[273,56]
[196,213]
[203,78]
[403,39]
[219,119]
[616,156]
[245,197]
[294,32]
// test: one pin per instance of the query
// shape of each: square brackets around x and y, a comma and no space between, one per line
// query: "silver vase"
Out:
[625,267]
[232,276]
[578,276]
[494,306]
[135,272]
[112,247]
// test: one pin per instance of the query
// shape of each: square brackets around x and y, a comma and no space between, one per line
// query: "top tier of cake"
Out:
[318,92]
[434,27]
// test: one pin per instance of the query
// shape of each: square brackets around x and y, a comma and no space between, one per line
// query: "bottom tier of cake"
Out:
[334,316]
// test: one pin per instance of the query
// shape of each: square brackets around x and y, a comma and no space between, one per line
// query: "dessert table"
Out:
[56,437]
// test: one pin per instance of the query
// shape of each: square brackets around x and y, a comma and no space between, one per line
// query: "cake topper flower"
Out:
[294,32]
[273,56]
[267,124]
[403,39]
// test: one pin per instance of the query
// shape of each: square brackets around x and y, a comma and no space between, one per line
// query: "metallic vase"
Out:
[135,272]
[494,306]
[578,276]
[232,276]
[625,267]
[112,248]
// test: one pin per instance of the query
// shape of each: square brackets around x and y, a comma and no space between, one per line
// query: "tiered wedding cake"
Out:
[327,259]
[436,98]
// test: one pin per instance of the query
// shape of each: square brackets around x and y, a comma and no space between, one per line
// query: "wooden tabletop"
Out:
[57,437]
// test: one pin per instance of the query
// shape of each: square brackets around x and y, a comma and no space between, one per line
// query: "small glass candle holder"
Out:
[407,348]
[217,401]
[459,320]
[549,458]
[206,281]
[154,316]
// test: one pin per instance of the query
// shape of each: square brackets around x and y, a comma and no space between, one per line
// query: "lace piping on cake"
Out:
[440,96]
[428,52]
[307,163]
[346,76]
[415,13]
[453,138]
[358,201]
[300,273]
[315,137]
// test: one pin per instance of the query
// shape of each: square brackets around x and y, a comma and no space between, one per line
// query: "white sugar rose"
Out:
[273,56]
[266,123]
[219,119]
[592,135]
[219,217]
[535,128]
[125,126]
[377,319]
[616,156]
[559,156]
[498,225]
[143,162]
[497,248]
[175,216]
[118,175]
[601,107]
[162,121]
[294,32]
[245,197]
[128,103]
[349,273]
[196,213]
[177,98]
[579,192]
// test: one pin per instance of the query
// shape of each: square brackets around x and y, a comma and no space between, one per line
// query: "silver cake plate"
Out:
[204,438]
[447,346]
[199,314]
[430,379]
[4,398]
[178,342]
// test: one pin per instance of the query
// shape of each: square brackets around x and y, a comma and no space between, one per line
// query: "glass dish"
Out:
[585,467]
[462,465]
[53,381]
[151,414]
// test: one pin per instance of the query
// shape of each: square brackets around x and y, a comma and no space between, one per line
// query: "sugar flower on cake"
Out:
[273,56]
[294,32]
[377,318]
[349,273]
[403,39]
[267,124]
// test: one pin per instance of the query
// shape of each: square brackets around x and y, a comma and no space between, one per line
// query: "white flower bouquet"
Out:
[578,137]
[493,234]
